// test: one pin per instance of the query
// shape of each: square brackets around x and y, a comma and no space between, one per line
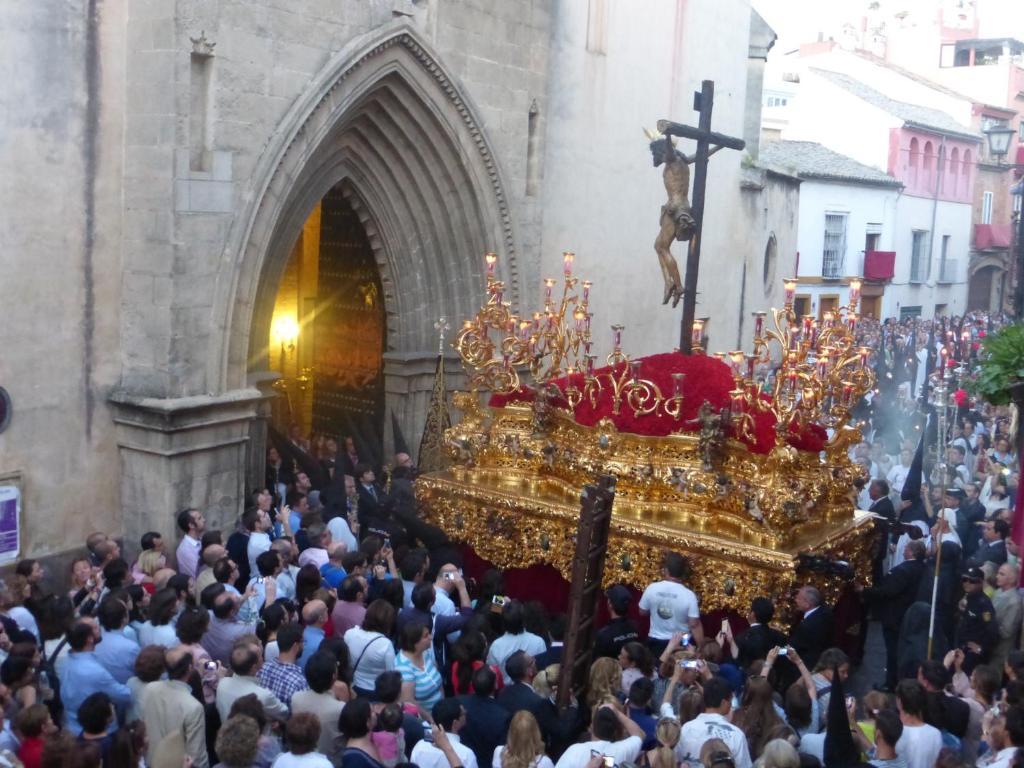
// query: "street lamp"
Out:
[999,139]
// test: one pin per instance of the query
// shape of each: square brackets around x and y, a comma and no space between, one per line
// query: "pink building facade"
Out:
[932,165]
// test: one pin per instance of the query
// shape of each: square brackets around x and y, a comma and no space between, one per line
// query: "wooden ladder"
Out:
[585,591]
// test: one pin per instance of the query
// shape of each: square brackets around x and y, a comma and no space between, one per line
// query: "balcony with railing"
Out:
[918,271]
[949,271]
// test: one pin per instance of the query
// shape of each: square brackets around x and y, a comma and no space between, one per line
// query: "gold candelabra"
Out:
[496,342]
[822,374]
[555,344]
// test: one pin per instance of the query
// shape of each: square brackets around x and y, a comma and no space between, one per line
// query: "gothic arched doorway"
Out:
[386,124]
[328,332]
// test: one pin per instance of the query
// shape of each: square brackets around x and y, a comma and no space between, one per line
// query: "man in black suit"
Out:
[486,720]
[816,630]
[558,730]
[993,544]
[892,596]
[760,637]
[882,506]
[374,508]
[521,668]
[553,655]
[371,496]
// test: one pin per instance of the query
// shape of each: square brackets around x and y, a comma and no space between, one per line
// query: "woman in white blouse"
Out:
[370,648]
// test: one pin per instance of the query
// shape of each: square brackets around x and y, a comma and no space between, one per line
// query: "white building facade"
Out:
[930,153]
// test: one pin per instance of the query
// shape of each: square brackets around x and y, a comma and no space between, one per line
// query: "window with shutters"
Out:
[918,257]
[834,253]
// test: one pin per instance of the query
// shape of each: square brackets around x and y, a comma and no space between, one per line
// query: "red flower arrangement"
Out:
[707,378]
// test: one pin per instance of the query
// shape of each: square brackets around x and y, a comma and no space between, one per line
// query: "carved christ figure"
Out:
[677,221]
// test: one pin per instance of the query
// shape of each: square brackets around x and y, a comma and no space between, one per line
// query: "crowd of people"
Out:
[334,627]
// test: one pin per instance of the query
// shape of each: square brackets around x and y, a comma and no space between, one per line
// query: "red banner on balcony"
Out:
[879,265]
[987,236]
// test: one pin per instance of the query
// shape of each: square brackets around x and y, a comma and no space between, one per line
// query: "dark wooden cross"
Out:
[708,142]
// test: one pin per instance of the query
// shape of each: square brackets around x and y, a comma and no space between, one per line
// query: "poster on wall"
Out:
[10,514]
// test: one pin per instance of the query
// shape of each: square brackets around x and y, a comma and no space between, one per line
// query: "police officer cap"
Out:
[975,575]
[956,493]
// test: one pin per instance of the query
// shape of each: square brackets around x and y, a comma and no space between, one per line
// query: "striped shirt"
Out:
[429,688]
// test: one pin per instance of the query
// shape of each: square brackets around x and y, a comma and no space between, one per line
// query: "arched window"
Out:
[966,175]
[954,170]
[928,162]
[771,249]
[915,160]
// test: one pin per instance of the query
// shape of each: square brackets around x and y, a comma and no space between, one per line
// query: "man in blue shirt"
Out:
[83,675]
[332,572]
[117,652]
[314,616]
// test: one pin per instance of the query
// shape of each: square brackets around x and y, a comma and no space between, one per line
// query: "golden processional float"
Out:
[741,478]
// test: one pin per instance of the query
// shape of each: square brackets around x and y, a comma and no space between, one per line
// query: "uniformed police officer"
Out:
[977,633]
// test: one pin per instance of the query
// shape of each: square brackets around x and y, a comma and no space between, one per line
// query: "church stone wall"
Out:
[61,99]
[115,234]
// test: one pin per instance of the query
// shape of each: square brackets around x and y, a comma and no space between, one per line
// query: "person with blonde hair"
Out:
[715,754]
[546,681]
[524,747]
[605,682]
[151,561]
[667,734]
[778,753]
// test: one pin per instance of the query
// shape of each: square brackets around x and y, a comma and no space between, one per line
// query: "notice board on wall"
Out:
[10,519]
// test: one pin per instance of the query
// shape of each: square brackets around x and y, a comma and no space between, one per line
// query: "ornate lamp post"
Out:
[999,139]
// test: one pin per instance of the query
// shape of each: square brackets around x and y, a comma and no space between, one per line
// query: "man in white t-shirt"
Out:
[920,743]
[898,474]
[671,606]
[449,714]
[614,735]
[713,724]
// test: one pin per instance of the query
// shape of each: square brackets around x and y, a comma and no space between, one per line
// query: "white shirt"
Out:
[426,755]
[507,644]
[864,498]
[541,761]
[379,656]
[708,726]
[1002,758]
[259,542]
[897,477]
[578,755]
[309,760]
[672,608]
[163,634]
[919,745]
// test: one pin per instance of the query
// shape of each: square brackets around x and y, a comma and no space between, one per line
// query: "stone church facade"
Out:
[160,158]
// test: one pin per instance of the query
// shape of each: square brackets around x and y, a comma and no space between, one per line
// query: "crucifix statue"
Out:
[679,219]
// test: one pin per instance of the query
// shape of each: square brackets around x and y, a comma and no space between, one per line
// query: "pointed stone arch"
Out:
[387,121]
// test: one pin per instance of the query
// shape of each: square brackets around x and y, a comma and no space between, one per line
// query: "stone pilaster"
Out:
[408,382]
[181,452]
